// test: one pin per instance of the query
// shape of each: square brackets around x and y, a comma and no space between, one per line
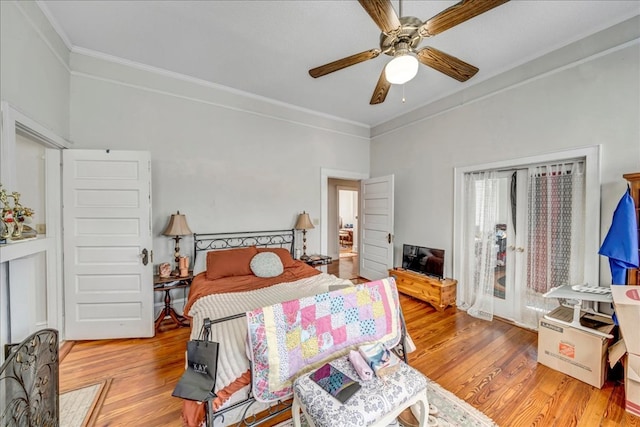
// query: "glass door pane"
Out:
[504,301]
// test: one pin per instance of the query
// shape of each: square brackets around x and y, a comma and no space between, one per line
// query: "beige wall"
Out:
[34,66]
[241,165]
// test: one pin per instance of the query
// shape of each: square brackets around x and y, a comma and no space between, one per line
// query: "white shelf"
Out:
[15,250]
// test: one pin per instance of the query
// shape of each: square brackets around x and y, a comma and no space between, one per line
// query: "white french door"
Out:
[505,267]
[108,271]
[376,225]
[510,243]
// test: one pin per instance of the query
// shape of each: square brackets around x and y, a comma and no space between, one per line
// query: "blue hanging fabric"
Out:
[621,242]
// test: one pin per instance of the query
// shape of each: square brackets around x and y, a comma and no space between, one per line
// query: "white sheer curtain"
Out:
[481,210]
[555,235]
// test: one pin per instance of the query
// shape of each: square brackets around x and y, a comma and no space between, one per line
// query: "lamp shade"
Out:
[177,226]
[401,69]
[304,222]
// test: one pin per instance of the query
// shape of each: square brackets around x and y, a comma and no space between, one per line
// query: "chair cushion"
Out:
[375,398]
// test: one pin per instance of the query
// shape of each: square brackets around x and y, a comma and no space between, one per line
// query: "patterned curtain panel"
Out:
[554,232]
[476,292]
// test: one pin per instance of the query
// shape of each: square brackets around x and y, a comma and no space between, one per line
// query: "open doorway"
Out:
[338,221]
[347,222]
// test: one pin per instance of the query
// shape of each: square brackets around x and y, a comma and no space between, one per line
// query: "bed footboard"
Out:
[247,418]
[244,407]
[375,300]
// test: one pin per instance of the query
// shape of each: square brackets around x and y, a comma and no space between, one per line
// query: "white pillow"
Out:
[266,264]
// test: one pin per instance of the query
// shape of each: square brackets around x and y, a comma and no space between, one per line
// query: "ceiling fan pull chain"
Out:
[403,98]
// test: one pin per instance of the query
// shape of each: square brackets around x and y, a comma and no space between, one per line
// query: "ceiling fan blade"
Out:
[457,14]
[381,90]
[447,64]
[382,13]
[344,63]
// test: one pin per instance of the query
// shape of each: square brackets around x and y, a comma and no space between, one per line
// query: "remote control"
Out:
[591,289]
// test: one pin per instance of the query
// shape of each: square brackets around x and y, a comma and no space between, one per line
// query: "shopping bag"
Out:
[199,379]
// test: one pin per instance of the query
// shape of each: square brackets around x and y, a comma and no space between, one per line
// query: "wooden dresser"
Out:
[633,274]
[438,293]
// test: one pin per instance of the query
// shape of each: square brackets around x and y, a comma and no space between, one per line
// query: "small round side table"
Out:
[166,284]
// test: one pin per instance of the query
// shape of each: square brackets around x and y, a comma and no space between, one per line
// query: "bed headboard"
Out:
[263,239]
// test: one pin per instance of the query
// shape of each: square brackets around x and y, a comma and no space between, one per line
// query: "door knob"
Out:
[145,256]
[389,238]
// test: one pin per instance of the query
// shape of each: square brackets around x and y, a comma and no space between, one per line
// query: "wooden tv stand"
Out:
[438,293]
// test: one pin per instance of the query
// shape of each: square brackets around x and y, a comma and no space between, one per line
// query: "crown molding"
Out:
[359,130]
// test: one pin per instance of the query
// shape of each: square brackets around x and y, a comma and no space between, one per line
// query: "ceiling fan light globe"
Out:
[401,69]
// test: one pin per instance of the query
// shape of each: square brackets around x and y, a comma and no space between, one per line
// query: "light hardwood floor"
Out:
[491,365]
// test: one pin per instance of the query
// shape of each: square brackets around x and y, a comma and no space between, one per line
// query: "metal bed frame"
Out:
[275,238]
[219,241]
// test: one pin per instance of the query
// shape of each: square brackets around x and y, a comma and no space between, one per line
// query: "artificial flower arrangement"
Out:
[13,218]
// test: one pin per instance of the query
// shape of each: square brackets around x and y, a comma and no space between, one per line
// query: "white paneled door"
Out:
[376,225]
[108,270]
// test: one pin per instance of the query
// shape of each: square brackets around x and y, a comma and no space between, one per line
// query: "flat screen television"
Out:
[423,260]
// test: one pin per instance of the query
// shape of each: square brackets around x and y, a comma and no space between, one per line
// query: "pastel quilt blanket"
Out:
[293,337]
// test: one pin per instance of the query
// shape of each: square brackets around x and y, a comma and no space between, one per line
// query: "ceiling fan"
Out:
[401,37]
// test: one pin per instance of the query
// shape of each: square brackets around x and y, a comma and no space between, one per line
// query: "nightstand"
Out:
[166,285]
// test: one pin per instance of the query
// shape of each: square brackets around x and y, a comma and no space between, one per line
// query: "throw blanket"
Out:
[233,364]
[292,337]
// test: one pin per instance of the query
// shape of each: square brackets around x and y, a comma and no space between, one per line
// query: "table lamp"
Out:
[177,227]
[304,223]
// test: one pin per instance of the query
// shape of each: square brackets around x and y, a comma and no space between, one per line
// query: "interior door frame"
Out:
[325,174]
[13,122]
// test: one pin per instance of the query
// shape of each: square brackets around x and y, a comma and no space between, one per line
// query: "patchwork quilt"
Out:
[293,337]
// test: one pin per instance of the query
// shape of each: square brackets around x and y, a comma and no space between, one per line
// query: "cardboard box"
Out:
[626,300]
[573,351]
[632,384]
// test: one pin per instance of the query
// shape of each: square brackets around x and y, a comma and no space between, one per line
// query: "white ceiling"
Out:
[266,48]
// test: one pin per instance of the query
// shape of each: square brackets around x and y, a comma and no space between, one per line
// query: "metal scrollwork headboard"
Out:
[264,239]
